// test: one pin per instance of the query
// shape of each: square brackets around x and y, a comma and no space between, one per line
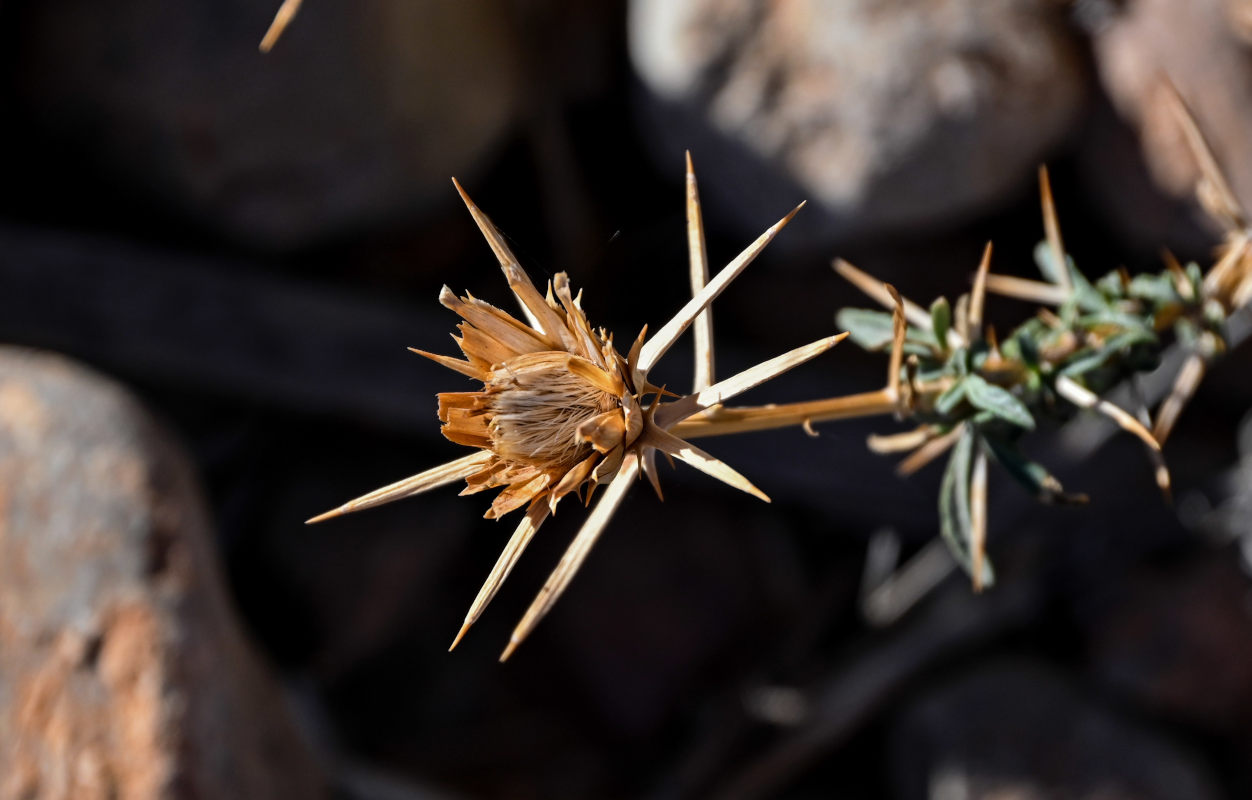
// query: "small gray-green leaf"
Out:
[1034,477]
[998,401]
[941,320]
[951,398]
[871,330]
[1156,288]
[1094,359]
[955,520]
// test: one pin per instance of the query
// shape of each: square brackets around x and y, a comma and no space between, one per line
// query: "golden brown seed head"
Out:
[536,405]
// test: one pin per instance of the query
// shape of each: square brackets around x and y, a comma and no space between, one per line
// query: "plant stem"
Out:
[722,421]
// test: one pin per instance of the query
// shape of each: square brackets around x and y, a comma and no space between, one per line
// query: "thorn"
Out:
[461,191]
[508,651]
[286,13]
[460,635]
[334,512]
[1052,231]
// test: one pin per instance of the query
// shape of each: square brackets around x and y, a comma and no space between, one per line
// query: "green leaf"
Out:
[955,518]
[1034,477]
[941,320]
[1111,286]
[1196,276]
[871,330]
[1087,360]
[951,398]
[1112,317]
[998,401]
[1158,289]
[1084,295]
[1021,345]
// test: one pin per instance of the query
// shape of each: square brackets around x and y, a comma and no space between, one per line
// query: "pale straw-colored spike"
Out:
[899,329]
[1241,295]
[525,531]
[899,442]
[1159,469]
[912,365]
[588,345]
[960,316]
[1083,397]
[669,333]
[876,290]
[463,367]
[690,454]
[993,347]
[978,517]
[422,482]
[1181,284]
[1050,319]
[1052,229]
[576,553]
[1212,190]
[929,451]
[286,13]
[649,471]
[671,413]
[978,297]
[1185,385]
[595,375]
[1026,289]
[495,323]
[698,264]
[1220,280]
[745,419]
[540,315]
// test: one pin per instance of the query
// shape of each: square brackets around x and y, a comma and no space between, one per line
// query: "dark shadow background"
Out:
[250,242]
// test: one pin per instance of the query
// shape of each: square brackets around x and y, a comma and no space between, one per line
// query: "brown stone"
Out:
[1205,48]
[123,673]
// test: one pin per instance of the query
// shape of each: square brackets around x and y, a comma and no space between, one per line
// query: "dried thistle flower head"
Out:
[562,411]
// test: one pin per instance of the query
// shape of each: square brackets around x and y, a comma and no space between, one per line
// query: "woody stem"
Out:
[721,421]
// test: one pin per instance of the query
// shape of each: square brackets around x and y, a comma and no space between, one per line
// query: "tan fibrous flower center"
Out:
[536,407]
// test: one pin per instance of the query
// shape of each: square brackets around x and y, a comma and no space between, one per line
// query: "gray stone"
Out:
[1178,641]
[123,673]
[887,115]
[358,115]
[1020,732]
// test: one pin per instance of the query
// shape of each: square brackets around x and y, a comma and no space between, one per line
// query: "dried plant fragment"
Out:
[286,13]
[561,411]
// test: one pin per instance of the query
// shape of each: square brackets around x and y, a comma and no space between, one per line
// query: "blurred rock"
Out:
[1019,732]
[1178,640]
[1204,47]
[1116,179]
[888,115]
[122,671]
[358,116]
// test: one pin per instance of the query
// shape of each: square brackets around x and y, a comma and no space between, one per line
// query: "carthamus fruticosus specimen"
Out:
[562,411]
[976,394]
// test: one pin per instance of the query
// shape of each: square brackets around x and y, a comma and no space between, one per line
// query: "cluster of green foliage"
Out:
[975,395]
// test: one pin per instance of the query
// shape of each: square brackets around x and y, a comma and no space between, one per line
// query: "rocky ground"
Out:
[211,262]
